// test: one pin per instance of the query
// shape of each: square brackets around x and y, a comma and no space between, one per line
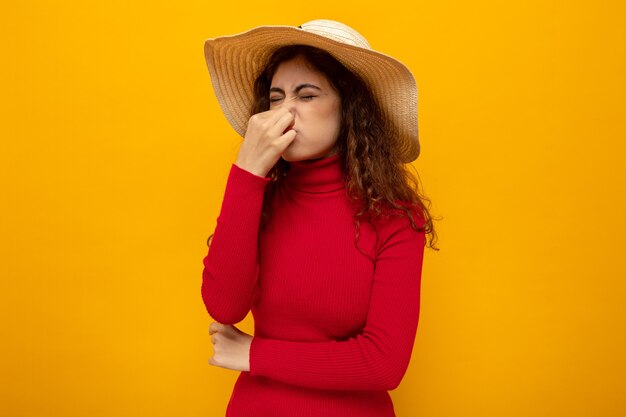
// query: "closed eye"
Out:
[303,98]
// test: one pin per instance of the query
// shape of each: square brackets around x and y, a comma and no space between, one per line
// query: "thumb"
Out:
[231,328]
[215,327]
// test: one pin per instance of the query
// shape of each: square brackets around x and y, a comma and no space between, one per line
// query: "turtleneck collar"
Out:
[316,176]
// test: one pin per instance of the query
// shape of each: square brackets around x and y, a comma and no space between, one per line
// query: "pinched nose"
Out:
[291,125]
[290,104]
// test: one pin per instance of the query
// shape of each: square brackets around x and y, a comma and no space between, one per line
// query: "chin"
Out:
[301,157]
[294,155]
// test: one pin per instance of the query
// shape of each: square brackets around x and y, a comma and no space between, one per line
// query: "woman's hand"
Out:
[269,133]
[231,347]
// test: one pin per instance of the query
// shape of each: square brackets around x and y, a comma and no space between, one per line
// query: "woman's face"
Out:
[316,107]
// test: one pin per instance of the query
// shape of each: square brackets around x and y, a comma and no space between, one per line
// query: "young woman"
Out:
[322,228]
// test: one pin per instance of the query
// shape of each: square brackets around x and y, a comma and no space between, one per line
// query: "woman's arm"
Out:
[377,358]
[231,267]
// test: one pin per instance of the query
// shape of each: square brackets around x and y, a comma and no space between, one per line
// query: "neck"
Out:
[316,176]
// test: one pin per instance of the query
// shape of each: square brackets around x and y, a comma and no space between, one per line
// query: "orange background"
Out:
[115,156]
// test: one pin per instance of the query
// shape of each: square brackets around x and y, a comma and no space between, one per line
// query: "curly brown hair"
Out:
[367,144]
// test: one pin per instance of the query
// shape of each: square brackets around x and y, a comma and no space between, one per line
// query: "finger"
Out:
[272,115]
[277,113]
[288,137]
[232,331]
[228,330]
[214,327]
[283,123]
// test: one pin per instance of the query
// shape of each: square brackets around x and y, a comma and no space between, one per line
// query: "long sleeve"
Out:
[230,271]
[377,358]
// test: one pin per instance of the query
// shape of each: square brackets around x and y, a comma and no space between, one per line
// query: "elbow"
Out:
[389,382]
[393,383]
[392,374]
[222,308]
[227,317]
[387,363]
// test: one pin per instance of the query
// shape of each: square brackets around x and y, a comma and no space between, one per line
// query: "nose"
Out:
[290,104]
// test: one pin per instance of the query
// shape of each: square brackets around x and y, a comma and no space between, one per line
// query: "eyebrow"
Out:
[295,90]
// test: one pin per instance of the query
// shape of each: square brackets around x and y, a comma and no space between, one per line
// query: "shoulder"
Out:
[403,214]
[394,224]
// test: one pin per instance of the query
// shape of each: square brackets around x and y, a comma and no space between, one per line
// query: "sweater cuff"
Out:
[260,356]
[244,192]
[247,177]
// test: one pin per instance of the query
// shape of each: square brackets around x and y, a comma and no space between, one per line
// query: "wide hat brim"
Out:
[235,61]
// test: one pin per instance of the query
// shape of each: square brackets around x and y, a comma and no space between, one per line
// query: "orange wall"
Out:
[115,154]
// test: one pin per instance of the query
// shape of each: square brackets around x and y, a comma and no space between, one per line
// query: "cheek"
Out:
[336,118]
[323,122]
[332,115]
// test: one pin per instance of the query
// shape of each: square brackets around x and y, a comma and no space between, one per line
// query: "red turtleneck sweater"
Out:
[334,326]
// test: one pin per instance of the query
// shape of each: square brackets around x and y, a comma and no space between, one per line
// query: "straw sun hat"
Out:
[235,61]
